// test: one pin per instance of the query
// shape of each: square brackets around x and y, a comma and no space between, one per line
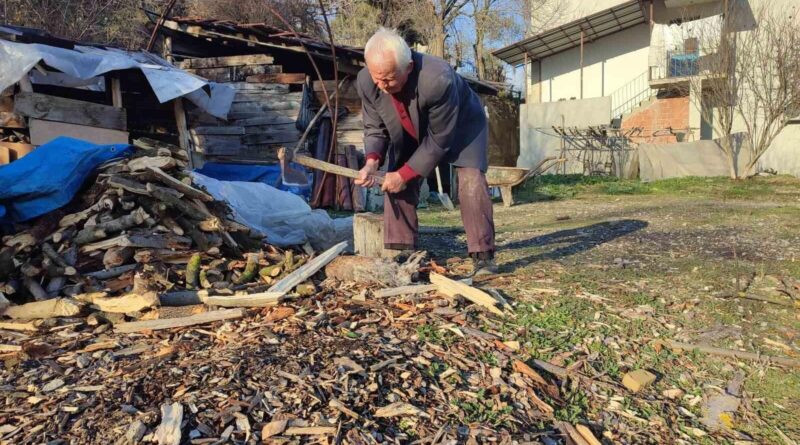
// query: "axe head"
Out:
[290,176]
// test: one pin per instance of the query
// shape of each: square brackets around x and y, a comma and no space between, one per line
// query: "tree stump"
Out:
[368,234]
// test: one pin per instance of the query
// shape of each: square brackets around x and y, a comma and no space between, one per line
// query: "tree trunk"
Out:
[436,45]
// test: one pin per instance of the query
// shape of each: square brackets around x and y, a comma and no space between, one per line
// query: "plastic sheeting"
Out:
[267,174]
[284,218]
[86,63]
[48,177]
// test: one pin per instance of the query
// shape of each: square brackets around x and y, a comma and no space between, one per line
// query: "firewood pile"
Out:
[140,231]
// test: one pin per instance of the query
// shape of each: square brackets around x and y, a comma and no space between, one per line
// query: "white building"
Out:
[632,65]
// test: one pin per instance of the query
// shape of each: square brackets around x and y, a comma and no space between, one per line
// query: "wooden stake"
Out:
[305,272]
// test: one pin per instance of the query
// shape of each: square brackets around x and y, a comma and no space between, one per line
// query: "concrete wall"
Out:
[537,138]
[609,63]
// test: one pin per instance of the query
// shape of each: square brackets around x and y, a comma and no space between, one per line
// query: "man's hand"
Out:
[366,176]
[393,183]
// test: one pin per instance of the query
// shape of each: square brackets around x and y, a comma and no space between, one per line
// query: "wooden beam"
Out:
[218,62]
[116,92]
[169,323]
[59,109]
[43,131]
[582,38]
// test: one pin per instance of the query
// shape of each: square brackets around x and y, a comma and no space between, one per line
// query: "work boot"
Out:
[483,263]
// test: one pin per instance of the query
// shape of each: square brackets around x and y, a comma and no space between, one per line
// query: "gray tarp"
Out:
[86,63]
[699,158]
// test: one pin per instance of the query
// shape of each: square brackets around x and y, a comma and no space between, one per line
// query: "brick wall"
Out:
[660,121]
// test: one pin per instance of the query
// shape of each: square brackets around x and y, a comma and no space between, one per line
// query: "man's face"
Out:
[385,74]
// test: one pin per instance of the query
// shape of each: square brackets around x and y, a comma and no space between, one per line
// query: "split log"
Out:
[167,198]
[56,307]
[305,272]
[180,186]
[732,353]
[102,230]
[128,185]
[249,271]
[152,325]
[451,288]
[117,256]
[147,162]
[132,302]
[29,326]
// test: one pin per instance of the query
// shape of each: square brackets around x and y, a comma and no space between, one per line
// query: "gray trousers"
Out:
[401,228]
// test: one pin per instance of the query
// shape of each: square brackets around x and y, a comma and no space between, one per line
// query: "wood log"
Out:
[250,270]
[29,326]
[59,109]
[155,241]
[36,289]
[180,186]
[369,270]
[180,298]
[102,230]
[191,229]
[305,272]
[732,353]
[368,234]
[451,288]
[153,325]
[193,271]
[56,307]
[111,273]
[153,144]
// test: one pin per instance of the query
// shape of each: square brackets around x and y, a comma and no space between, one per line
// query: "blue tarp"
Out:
[48,177]
[267,174]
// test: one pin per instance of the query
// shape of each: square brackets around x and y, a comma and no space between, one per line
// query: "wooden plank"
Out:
[11,120]
[208,130]
[271,128]
[265,86]
[169,323]
[259,107]
[217,144]
[307,270]
[56,307]
[116,92]
[265,96]
[154,241]
[452,288]
[59,109]
[272,118]
[217,62]
[234,74]
[277,137]
[287,78]
[45,131]
[262,299]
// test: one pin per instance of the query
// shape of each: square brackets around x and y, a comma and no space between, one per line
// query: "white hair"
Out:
[388,40]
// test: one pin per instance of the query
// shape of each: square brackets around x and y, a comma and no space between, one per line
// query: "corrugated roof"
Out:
[568,36]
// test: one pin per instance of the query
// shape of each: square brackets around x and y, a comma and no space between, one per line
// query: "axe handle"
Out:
[331,168]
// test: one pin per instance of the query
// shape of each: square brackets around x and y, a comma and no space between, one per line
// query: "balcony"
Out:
[675,70]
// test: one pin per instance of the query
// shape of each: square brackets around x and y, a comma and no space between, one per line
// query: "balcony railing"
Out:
[676,64]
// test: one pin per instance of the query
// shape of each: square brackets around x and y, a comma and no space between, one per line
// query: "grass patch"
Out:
[432,334]
[483,410]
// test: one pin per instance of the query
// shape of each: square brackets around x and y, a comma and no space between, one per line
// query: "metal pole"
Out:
[582,34]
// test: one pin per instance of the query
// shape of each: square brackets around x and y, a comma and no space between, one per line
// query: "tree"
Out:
[302,14]
[355,21]
[749,81]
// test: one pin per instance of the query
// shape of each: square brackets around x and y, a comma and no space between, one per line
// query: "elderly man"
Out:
[417,112]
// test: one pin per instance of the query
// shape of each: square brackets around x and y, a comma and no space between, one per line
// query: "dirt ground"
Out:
[600,270]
